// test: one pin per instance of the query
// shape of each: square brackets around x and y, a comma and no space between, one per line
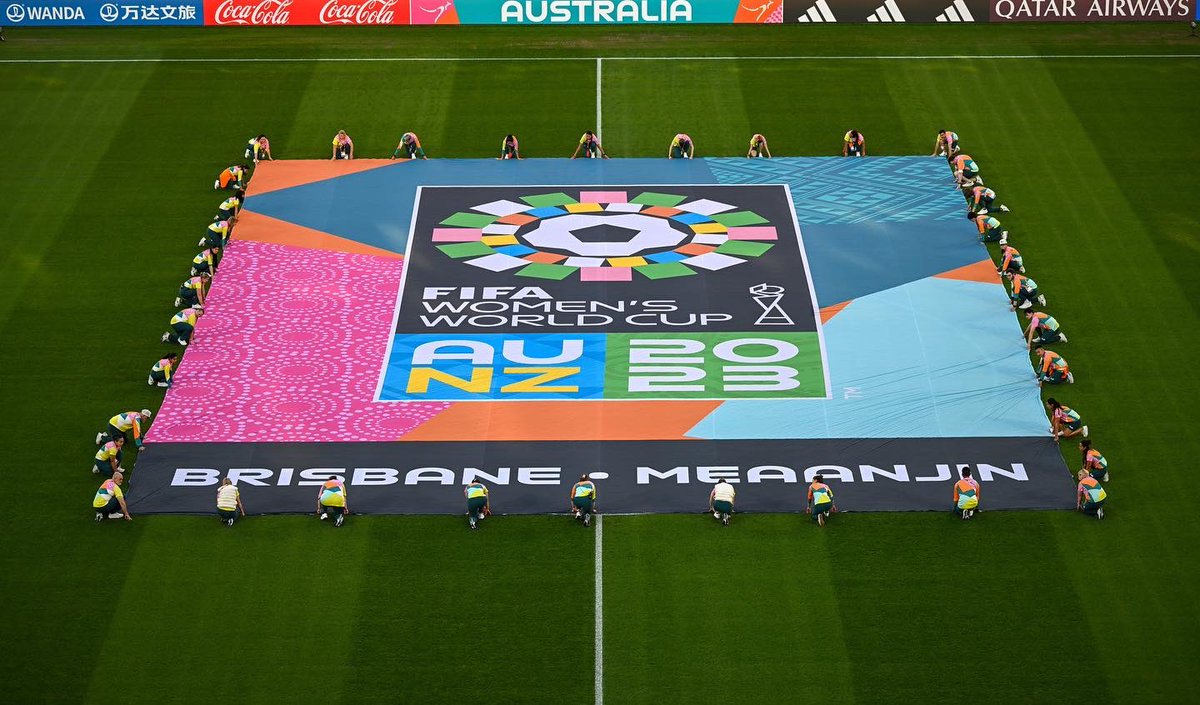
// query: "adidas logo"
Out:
[887,12]
[819,12]
[956,12]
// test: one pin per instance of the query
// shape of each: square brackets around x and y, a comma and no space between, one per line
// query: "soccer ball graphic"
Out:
[613,235]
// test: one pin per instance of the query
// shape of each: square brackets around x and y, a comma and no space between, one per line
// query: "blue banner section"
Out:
[98,13]
[487,367]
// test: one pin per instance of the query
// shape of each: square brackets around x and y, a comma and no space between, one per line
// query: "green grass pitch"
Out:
[109,166]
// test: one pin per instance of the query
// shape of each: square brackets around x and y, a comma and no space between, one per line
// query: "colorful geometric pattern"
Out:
[604,236]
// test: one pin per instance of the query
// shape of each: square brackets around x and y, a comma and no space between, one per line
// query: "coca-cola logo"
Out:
[262,12]
[362,12]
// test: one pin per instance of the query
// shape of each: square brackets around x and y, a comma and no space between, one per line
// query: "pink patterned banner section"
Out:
[604,197]
[289,351]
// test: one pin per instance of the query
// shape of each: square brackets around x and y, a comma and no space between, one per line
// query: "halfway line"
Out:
[599,668]
[598,110]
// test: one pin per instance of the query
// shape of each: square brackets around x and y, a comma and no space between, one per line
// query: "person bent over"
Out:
[409,147]
[122,424]
[681,147]
[854,144]
[820,500]
[343,146]
[989,228]
[258,149]
[1065,422]
[332,502]
[191,291]
[232,179]
[216,235]
[589,144]
[229,502]
[966,495]
[1010,260]
[1094,464]
[163,370]
[583,499]
[205,262]
[1024,291]
[981,199]
[108,458]
[109,502]
[230,207]
[720,501]
[1090,496]
[510,148]
[478,502]
[758,147]
[946,144]
[1043,329]
[183,324]
[1052,368]
[966,171]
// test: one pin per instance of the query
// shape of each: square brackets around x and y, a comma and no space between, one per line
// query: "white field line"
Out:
[369,59]
[598,104]
[599,649]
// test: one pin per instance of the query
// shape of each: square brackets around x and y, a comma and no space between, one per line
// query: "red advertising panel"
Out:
[305,12]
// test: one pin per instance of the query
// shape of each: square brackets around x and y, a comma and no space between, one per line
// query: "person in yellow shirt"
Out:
[820,500]
[343,146]
[720,501]
[229,502]
[583,499]
[331,501]
[479,502]
[758,147]
[108,458]
[589,143]
[109,502]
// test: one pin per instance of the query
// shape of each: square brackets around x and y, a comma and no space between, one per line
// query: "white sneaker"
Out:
[183,342]
[164,384]
[95,470]
[1063,337]
[1004,241]
[1004,208]
[1026,304]
[339,520]
[1042,299]
[1070,378]
[229,522]
[99,517]
[979,181]
[324,516]
[178,300]
[1099,512]
[1085,431]
[587,519]
[821,519]
[165,338]
[201,242]
[983,211]
[725,520]
[116,515]
[716,515]
[99,437]
[216,184]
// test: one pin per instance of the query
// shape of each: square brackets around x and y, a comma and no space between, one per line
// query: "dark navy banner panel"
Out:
[631,476]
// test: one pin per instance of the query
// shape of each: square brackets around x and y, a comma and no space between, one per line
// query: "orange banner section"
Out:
[983,271]
[264,228]
[564,421]
[286,173]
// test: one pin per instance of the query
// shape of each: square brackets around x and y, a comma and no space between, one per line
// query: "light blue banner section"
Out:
[102,13]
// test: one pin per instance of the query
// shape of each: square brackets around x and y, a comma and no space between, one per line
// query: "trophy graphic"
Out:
[768,296]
